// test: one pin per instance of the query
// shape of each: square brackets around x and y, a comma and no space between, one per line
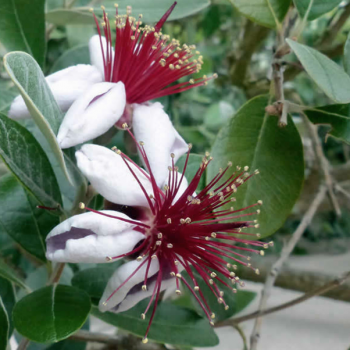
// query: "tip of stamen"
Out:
[139,258]
[125,126]
[108,258]
[260,202]
[196,288]
[227,307]
[91,9]
[172,274]
[169,245]
[104,303]
[178,292]
[257,271]
[145,340]
[212,315]
[81,205]
[172,155]
[154,256]
[212,323]
[262,253]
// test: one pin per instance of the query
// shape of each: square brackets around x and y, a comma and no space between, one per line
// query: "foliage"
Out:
[238,118]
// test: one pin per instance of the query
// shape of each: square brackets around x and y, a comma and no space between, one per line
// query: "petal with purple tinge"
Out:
[92,114]
[153,126]
[91,238]
[66,86]
[111,177]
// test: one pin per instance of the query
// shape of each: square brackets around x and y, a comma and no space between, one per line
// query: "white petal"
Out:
[91,237]
[96,57]
[92,114]
[153,126]
[111,177]
[66,86]
[119,277]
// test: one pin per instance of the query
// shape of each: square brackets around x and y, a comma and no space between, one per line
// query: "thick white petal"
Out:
[153,126]
[111,177]
[119,277]
[96,57]
[66,86]
[92,114]
[90,238]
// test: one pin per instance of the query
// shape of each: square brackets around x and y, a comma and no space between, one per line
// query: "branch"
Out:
[253,37]
[323,163]
[270,281]
[318,291]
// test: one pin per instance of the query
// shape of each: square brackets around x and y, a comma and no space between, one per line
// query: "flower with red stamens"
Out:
[177,229]
[142,64]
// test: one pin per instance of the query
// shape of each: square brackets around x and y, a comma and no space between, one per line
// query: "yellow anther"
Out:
[168,221]
[144,287]
[178,275]
[258,235]
[145,340]
[213,274]
[139,258]
[178,292]
[213,234]
[257,271]
[211,281]
[260,202]
[262,253]
[171,66]
[154,256]
[172,274]
[108,258]
[220,300]
[81,205]
[158,242]
[196,288]
[125,126]
[212,315]
[227,307]
[176,262]
[160,235]
[169,245]
[258,211]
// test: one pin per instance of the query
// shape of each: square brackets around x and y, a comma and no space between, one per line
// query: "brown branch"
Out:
[252,39]
[318,291]
[271,278]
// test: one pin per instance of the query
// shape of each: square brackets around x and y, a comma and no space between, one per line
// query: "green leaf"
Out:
[28,162]
[329,77]
[20,218]
[4,326]
[337,116]
[217,115]
[7,93]
[94,280]
[62,17]
[231,299]
[22,27]
[152,11]
[171,324]
[243,299]
[318,8]
[194,162]
[29,79]
[8,273]
[253,139]
[8,297]
[72,57]
[264,12]
[52,313]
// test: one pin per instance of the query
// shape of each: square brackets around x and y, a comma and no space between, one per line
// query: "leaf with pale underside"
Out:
[11,275]
[329,77]
[29,79]
[253,139]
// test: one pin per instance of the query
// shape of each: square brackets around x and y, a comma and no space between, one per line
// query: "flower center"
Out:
[147,61]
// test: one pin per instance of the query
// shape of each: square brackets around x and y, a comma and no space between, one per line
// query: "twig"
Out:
[318,291]
[57,273]
[96,337]
[342,190]
[287,250]
[23,344]
[323,163]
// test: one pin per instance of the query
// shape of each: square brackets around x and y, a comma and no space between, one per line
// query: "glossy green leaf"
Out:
[194,162]
[264,12]
[28,162]
[22,220]
[8,273]
[232,300]
[253,139]
[52,313]
[337,116]
[22,27]
[94,280]
[171,324]
[217,115]
[72,57]
[8,297]
[318,8]
[152,11]
[4,326]
[29,79]
[329,77]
